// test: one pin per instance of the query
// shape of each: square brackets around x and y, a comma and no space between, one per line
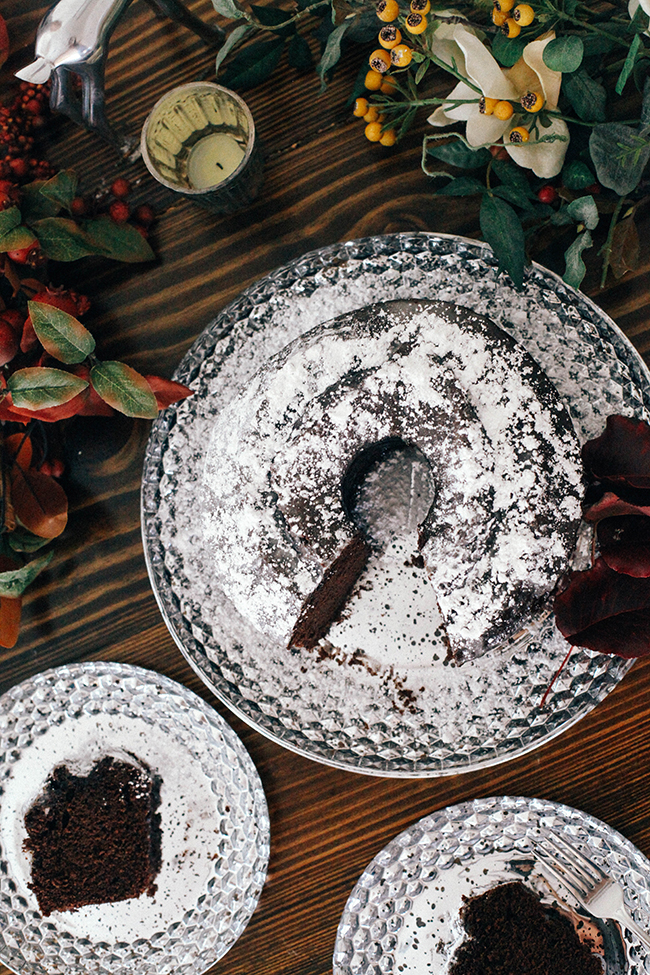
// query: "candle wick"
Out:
[220,165]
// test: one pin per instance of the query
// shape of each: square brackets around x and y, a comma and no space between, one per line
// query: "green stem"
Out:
[607,246]
[590,27]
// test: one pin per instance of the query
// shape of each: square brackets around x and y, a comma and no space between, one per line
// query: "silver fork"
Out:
[592,888]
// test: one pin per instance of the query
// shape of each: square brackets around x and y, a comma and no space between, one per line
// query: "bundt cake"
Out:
[288,454]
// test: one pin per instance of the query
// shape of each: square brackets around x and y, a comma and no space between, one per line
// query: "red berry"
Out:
[8,343]
[19,167]
[593,188]
[9,194]
[547,194]
[143,231]
[121,188]
[78,206]
[13,318]
[31,254]
[499,152]
[144,214]
[119,211]
[54,467]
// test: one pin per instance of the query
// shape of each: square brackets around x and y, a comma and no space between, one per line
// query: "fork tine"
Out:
[548,868]
[577,859]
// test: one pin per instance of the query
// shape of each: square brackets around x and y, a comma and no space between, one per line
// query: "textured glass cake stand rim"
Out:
[33,945]
[373,932]
[184,630]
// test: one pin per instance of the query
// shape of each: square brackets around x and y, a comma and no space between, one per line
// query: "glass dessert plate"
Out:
[403,914]
[214,821]
[403,712]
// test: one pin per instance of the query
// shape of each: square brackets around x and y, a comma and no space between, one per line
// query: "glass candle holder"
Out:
[199,140]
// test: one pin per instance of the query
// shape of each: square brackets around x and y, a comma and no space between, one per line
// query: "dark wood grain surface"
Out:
[324,183]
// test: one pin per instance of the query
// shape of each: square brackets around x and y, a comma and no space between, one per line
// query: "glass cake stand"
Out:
[403,914]
[403,712]
[214,823]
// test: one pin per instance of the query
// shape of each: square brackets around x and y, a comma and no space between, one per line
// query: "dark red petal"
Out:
[622,450]
[611,506]
[605,610]
[625,544]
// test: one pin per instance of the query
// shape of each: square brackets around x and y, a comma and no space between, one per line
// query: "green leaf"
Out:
[61,239]
[228,8]
[502,230]
[22,540]
[512,194]
[35,206]
[577,176]
[14,582]
[507,50]
[628,67]
[299,54]
[575,266]
[9,219]
[462,186]
[62,188]
[620,155]
[564,53]
[253,64]
[60,334]
[561,218]
[233,40]
[124,389]
[270,16]
[514,177]
[457,154]
[332,51]
[587,96]
[38,387]
[119,241]
[584,210]
[17,238]
[422,70]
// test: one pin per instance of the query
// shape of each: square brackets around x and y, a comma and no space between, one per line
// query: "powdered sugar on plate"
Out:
[399,710]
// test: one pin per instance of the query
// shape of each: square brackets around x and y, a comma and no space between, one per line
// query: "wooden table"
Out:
[324,183]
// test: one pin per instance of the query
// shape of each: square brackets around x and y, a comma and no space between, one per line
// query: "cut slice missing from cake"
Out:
[508,931]
[94,838]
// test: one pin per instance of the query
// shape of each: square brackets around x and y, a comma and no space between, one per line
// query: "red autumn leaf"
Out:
[39,501]
[19,448]
[621,455]
[611,506]
[624,544]
[167,391]
[50,414]
[606,611]
[10,609]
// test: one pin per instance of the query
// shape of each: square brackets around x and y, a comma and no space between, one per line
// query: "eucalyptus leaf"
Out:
[620,155]
[588,97]
[253,64]
[457,154]
[60,334]
[502,230]
[124,389]
[299,53]
[564,53]
[577,176]
[14,581]
[270,16]
[228,8]
[22,540]
[575,266]
[62,188]
[233,40]
[645,106]
[508,50]
[561,218]
[584,210]
[332,52]
[462,186]
[39,387]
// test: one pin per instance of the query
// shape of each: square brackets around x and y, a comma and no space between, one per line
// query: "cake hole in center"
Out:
[387,491]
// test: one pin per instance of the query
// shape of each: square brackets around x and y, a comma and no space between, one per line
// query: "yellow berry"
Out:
[511,28]
[503,111]
[380,60]
[504,5]
[518,135]
[388,84]
[416,23]
[420,7]
[361,106]
[499,17]
[372,115]
[487,105]
[401,56]
[532,101]
[389,36]
[523,14]
[387,10]
[373,131]
[388,137]
[373,81]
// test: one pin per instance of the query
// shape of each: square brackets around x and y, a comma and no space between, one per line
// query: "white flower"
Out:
[473,60]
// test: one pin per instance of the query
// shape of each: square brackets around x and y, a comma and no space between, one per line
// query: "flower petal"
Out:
[544,158]
[482,68]
[484,129]
[550,80]
[463,93]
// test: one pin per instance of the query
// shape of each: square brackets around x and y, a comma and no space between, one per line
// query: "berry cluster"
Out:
[511,18]
[119,210]
[19,122]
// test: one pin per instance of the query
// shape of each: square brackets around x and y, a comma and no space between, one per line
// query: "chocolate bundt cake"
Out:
[287,457]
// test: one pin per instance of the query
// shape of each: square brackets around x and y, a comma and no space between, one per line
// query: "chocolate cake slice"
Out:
[95,839]
[510,932]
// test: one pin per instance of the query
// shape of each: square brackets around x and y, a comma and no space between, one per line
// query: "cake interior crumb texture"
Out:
[96,838]
[510,932]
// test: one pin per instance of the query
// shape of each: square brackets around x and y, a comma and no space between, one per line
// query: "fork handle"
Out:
[625,919]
